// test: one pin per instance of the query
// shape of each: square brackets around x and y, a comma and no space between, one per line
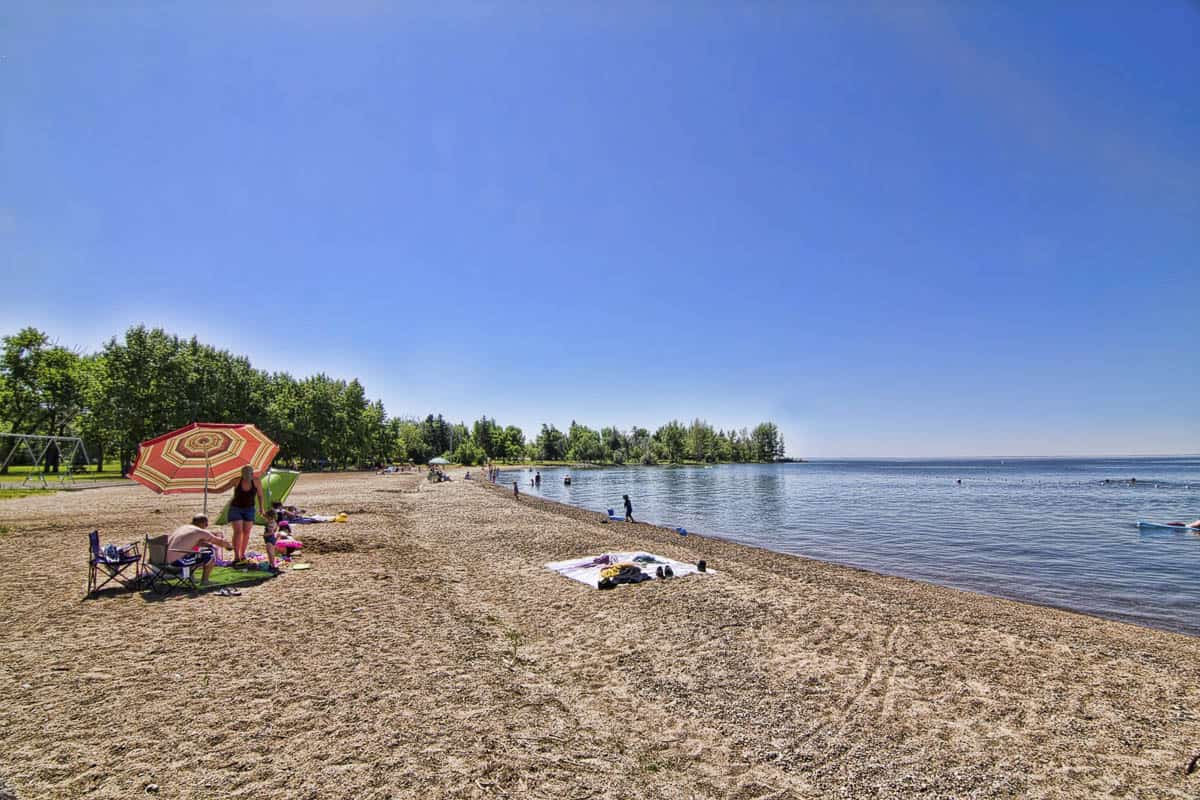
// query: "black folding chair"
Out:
[163,575]
[113,565]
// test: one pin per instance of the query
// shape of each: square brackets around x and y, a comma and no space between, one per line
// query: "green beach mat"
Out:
[277,485]
[223,577]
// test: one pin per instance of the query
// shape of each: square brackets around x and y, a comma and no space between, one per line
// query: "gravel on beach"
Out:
[428,653]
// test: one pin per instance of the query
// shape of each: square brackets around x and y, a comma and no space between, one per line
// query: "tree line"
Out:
[149,382]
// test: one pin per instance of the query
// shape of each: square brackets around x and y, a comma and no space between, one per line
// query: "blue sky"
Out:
[895,229]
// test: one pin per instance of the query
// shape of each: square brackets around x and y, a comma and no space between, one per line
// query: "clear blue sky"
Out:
[897,229]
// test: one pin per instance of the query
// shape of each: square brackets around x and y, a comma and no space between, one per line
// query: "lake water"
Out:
[1049,531]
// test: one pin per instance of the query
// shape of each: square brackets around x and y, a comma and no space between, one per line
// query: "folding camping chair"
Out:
[164,576]
[114,562]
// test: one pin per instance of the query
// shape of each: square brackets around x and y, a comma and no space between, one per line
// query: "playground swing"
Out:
[67,449]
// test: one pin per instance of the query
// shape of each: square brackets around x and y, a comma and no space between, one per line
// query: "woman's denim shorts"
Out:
[239,514]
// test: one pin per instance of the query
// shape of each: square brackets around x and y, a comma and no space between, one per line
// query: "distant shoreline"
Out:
[608,464]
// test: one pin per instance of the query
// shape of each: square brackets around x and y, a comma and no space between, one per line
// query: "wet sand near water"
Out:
[428,653]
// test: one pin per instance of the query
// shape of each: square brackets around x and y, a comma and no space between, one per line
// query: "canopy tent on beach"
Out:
[439,461]
[196,456]
[277,485]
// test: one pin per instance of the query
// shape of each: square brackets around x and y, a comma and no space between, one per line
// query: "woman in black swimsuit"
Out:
[246,489]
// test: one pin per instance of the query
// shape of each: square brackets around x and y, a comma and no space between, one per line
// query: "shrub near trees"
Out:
[150,382]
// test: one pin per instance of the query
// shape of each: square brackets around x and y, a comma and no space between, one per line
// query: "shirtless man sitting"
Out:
[184,542]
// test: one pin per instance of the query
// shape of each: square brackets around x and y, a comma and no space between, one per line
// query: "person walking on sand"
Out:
[628,509]
[516,491]
[246,489]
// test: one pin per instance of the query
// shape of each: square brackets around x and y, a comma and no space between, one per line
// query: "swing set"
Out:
[69,449]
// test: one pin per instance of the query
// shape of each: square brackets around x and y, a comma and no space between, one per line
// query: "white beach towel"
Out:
[587,569]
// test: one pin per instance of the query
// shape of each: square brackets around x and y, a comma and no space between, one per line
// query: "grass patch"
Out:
[228,576]
[109,472]
[13,494]
[222,577]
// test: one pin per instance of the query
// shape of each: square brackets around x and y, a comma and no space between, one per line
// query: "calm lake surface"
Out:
[1049,531]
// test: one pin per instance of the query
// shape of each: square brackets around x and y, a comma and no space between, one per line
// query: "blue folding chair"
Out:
[112,563]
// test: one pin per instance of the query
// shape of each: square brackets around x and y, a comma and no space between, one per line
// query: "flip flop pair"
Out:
[227,592]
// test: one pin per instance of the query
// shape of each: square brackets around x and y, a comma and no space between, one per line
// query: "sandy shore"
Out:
[429,654]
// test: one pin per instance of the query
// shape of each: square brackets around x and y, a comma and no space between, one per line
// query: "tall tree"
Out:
[766,442]
[672,441]
[551,444]
[583,444]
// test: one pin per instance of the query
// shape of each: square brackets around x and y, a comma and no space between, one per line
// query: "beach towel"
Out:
[587,569]
[342,517]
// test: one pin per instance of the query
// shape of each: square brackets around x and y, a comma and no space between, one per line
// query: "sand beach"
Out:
[429,654]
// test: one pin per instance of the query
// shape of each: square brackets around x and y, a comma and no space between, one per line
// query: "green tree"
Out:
[583,444]
[43,388]
[98,436]
[616,445]
[489,437]
[551,444]
[412,438]
[146,394]
[766,443]
[701,442]
[20,370]
[437,434]
[672,441]
[468,453]
[514,448]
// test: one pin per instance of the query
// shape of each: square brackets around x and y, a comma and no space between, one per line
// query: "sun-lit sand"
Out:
[427,653]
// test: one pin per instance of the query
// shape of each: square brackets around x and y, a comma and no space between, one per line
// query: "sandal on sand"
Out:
[227,592]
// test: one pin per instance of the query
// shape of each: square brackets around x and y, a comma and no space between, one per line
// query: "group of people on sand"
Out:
[191,545]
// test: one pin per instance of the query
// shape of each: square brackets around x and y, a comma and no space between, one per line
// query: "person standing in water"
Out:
[628,509]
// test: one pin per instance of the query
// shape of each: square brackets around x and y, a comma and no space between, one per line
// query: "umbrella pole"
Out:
[206,485]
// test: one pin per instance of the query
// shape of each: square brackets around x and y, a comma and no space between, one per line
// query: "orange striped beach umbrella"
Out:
[199,455]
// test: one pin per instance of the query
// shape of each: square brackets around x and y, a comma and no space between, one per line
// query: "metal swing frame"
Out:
[37,446]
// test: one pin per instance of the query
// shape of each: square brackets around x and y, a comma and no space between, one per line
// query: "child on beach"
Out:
[285,514]
[270,534]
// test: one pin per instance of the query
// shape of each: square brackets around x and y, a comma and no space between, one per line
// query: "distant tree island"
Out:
[151,382]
